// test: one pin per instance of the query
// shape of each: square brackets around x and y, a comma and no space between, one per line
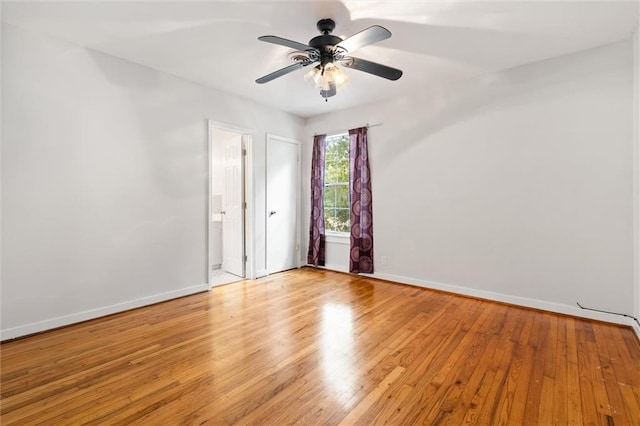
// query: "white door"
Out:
[233,208]
[282,204]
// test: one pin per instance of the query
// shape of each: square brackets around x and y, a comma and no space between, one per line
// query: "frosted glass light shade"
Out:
[322,78]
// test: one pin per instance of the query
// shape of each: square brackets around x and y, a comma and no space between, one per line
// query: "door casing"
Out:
[247,138]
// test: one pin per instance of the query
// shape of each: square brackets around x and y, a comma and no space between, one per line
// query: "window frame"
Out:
[340,237]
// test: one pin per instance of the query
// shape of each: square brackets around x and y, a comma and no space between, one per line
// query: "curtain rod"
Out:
[368,126]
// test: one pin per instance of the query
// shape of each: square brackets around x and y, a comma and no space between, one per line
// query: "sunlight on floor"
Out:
[337,352]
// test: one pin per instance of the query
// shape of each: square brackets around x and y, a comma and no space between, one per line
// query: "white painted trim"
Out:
[250,216]
[268,137]
[334,267]
[506,298]
[300,233]
[337,238]
[636,174]
[249,197]
[1,145]
[261,273]
[636,328]
[36,327]
[209,208]
[500,297]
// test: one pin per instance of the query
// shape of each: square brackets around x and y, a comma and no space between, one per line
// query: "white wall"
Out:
[636,168]
[104,181]
[515,186]
[1,133]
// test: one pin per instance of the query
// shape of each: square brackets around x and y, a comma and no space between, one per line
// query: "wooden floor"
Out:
[316,347]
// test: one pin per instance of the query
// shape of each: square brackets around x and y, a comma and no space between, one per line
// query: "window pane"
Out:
[331,172]
[329,196]
[342,196]
[336,171]
[336,148]
[342,220]
[336,178]
[331,222]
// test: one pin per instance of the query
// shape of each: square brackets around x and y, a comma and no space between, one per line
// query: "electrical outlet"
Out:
[383,260]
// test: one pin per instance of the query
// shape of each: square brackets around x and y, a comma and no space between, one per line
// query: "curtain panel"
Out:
[316,253]
[361,216]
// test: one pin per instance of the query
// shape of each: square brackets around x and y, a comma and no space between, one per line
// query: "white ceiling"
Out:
[214,43]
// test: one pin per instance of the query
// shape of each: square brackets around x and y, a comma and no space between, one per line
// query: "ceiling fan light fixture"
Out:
[319,80]
[311,75]
[334,74]
[327,78]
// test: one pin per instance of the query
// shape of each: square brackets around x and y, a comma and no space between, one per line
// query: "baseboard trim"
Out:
[261,273]
[39,326]
[506,298]
[636,328]
[338,268]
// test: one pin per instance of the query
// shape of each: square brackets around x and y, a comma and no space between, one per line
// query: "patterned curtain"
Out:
[361,257]
[315,255]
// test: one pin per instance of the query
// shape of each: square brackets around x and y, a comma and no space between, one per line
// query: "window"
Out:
[336,183]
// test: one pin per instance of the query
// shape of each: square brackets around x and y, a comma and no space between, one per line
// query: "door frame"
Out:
[249,198]
[270,136]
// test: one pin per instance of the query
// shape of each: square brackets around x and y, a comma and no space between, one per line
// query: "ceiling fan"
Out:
[326,51]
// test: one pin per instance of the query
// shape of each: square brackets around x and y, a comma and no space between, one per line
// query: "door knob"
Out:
[271,213]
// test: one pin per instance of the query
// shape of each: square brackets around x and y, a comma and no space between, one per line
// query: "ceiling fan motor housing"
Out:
[325,43]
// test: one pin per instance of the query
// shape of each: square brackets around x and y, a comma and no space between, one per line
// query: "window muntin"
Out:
[336,183]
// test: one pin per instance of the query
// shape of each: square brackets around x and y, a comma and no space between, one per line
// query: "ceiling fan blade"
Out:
[284,42]
[364,38]
[372,68]
[286,70]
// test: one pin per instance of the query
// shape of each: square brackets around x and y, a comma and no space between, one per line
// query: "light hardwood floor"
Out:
[318,347]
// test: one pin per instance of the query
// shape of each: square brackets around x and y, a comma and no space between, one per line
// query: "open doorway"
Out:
[229,257]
